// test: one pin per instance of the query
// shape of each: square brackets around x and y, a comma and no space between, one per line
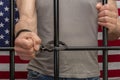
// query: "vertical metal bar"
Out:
[56,39]
[12,65]
[105,52]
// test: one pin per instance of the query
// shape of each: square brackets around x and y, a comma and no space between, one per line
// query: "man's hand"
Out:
[107,17]
[26,45]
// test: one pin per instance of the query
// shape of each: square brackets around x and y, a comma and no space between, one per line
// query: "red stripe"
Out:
[6,59]
[18,75]
[110,43]
[112,73]
[119,11]
[99,29]
[111,58]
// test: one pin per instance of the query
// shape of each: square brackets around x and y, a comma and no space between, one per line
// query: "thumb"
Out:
[98,6]
[36,42]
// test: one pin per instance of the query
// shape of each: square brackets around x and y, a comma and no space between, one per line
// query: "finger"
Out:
[24,51]
[107,19]
[108,7]
[108,13]
[26,57]
[24,43]
[36,42]
[110,26]
[98,6]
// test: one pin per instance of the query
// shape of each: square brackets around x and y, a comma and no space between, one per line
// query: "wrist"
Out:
[22,30]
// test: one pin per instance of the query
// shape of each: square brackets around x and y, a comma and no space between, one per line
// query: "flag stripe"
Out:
[6,59]
[110,43]
[4,53]
[18,67]
[111,58]
[113,73]
[119,11]
[18,75]
[111,66]
[112,52]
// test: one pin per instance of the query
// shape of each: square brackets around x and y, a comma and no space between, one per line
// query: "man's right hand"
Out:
[26,45]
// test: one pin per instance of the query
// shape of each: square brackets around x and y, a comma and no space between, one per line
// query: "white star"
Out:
[6,42]
[7,31]
[16,9]
[16,19]
[6,8]
[1,3]
[6,19]
[1,24]
[1,13]
[1,36]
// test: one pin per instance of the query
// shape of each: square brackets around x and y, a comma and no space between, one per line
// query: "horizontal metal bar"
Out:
[77,48]
[72,48]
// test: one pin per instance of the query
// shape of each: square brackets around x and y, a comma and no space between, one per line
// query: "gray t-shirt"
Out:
[78,27]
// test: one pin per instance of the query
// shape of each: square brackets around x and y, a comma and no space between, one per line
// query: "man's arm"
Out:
[27,12]
[108,17]
[26,43]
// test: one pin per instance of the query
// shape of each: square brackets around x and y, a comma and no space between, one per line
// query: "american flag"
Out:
[20,66]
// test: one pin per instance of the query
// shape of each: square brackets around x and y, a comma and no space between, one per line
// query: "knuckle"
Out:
[107,24]
[39,41]
[105,12]
[28,46]
[116,15]
[17,40]
[105,18]
[31,51]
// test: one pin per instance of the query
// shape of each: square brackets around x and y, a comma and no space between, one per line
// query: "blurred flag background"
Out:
[20,65]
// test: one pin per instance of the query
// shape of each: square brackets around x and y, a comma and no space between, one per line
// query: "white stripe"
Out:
[100,34]
[4,53]
[112,52]
[18,67]
[118,4]
[111,66]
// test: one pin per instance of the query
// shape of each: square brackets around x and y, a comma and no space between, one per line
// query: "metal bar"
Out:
[105,52]
[72,48]
[12,65]
[56,39]
[77,48]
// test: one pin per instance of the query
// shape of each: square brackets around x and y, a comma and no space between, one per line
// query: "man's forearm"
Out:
[26,24]
[27,14]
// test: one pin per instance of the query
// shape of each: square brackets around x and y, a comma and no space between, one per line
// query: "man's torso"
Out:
[78,27]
